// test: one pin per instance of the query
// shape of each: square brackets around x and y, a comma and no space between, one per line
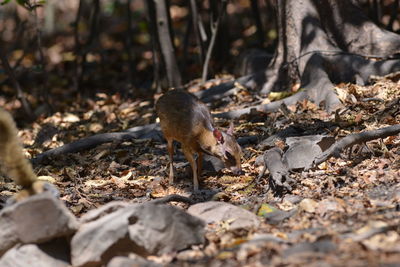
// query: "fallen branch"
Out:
[98,139]
[354,139]
[149,131]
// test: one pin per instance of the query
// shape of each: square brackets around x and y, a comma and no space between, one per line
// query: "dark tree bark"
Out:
[155,44]
[196,20]
[308,27]
[393,15]
[214,27]
[322,42]
[77,49]
[82,49]
[166,43]
[129,41]
[257,19]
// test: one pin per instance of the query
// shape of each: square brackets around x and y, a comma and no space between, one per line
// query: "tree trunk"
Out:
[166,43]
[327,41]
[322,42]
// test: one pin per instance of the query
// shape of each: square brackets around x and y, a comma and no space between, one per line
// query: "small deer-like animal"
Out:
[187,120]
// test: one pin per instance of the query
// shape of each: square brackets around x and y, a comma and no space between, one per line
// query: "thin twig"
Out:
[129,41]
[78,71]
[195,24]
[44,85]
[92,35]
[214,31]
[15,83]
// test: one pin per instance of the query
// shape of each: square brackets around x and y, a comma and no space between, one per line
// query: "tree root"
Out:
[280,164]
[353,139]
[217,92]
[316,81]
[271,107]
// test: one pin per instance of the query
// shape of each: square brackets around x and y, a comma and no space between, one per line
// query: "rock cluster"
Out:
[41,231]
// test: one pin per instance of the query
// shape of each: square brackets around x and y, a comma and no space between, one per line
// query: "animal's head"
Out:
[228,150]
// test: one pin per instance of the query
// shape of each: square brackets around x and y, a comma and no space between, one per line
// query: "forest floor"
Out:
[347,209]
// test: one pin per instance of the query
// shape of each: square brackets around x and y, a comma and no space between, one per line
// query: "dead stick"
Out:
[353,139]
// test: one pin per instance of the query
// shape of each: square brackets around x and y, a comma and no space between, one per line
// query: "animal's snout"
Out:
[236,170]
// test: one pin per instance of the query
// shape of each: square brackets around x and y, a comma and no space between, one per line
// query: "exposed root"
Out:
[318,77]
[353,139]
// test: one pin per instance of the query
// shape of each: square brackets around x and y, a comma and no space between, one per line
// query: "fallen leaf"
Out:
[308,205]
[264,209]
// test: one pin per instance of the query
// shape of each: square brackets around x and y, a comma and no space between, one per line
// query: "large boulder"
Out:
[143,229]
[36,219]
[29,255]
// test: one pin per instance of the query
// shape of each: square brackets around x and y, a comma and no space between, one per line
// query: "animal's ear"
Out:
[230,130]
[218,136]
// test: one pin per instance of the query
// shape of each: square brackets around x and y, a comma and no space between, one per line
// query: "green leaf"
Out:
[265,209]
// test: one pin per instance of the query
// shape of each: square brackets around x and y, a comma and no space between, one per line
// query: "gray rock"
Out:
[131,262]
[214,212]
[212,164]
[278,216]
[304,149]
[321,246]
[57,248]
[143,229]
[97,239]
[294,199]
[36,219]
[163,229]
[301,155]
[108,208]
[29,255]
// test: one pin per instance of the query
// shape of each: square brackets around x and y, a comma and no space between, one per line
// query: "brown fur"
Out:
[13,162]
[187,120]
